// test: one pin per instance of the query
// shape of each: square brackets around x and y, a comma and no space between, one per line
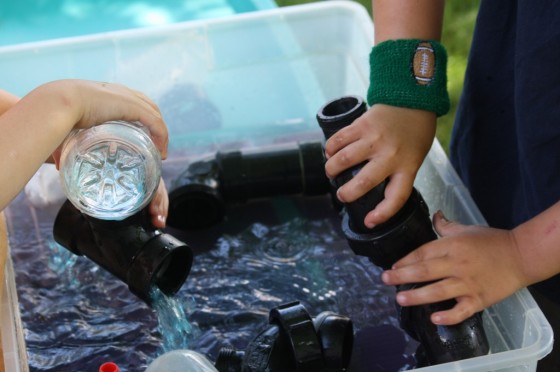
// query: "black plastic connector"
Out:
[386,243]
[131,249]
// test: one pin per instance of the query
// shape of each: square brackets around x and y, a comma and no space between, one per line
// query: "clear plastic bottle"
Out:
[110,171]
[181,361]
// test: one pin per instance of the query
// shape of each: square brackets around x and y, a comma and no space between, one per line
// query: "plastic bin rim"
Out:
[354,7]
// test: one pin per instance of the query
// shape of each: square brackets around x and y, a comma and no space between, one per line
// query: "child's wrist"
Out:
[409,73]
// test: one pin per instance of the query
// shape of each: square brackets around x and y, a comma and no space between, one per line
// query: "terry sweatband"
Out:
[409,73]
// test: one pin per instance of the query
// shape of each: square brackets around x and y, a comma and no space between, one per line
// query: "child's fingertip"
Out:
[401,299]
[386,277]
[339,196]
[440,214]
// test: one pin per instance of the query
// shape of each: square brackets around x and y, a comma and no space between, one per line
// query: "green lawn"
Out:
[457,34]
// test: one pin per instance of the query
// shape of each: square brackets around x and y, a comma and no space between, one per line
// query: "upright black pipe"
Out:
[388,242]
[131,249]
[200,193]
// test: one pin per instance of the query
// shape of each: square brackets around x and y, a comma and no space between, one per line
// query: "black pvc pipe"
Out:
[386,243]
[332,117]
[409,228]
[132,249]
[200,193]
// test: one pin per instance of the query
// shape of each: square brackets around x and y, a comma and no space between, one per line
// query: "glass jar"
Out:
[110,171]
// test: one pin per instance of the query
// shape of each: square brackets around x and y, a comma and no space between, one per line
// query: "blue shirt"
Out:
[506,138]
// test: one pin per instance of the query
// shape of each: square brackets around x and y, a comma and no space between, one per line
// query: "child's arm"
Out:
[7,100]
[33,128]
[393,140]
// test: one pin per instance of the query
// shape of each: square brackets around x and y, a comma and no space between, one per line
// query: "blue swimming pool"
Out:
[34,20]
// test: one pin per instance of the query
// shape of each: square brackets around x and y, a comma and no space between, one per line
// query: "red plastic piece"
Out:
[109,367]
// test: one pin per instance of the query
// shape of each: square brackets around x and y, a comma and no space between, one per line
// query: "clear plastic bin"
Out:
[13,342]
[256,77]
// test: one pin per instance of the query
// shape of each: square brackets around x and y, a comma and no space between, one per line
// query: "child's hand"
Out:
[33,127]
[102,102]
[159,206]
[478,266]
[98,102]
[394,141]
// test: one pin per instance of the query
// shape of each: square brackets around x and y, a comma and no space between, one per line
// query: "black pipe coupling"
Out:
[131,249]
[442,344]
[293,341]
[199,195]
[386,243]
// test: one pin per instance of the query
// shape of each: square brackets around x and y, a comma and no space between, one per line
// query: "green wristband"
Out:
[409,73]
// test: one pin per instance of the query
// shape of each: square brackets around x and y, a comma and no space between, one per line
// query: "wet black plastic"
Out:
[331,118]
[388,242]
[199,195]
[442,344]
[294,341]
[132,249]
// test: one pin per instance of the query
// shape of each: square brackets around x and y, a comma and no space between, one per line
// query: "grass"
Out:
[457,35]
[458,28]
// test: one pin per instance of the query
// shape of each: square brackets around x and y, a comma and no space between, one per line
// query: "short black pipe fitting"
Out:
[293,341]
[199,195]
[131,249]
[388,242]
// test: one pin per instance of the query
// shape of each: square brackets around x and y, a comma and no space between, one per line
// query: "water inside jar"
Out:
[110,171]
[110,175]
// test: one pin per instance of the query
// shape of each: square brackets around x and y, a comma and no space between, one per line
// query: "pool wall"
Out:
[26,21]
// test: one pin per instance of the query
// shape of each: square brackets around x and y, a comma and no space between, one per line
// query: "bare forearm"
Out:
[538,242]
[31,130]
[407,19]
[7,100]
